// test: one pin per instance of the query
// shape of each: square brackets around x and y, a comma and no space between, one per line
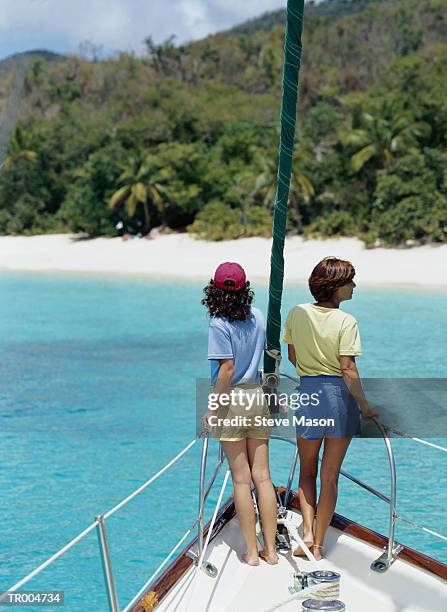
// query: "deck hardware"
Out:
[255,503]
[329,582]
[107,564]
[290,478]
[302,577]
[299,582]
[282,539]
[192,555]
[334,605]
[395,549]
[202,493]
[386,560]
[209,569]
[325,576]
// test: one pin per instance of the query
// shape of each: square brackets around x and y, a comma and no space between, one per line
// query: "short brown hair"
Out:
[329,274]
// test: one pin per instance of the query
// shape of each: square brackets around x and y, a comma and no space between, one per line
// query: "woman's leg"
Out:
[333,455]
[258,457]
[308,451]
[236,453]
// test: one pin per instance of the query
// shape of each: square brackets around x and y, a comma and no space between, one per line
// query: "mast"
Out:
[291,71]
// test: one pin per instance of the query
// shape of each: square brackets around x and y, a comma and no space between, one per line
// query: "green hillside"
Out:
[12,81]
[332,9]
[187,136]
[24,59]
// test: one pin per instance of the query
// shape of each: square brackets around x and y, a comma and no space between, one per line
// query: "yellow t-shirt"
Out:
[320,335]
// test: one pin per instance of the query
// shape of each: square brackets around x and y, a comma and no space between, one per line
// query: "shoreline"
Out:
[157,278]
[180,257]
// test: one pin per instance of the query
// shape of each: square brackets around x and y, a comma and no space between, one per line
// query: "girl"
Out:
[236,343]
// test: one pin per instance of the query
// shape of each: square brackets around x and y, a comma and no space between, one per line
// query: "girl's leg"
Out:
[236,453]
[258,457]
[307,487]
[333,455]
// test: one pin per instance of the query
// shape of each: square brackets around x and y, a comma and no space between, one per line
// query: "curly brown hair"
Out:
[235,305]
[328,275]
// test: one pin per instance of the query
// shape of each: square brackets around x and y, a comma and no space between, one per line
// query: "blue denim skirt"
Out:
[325,408]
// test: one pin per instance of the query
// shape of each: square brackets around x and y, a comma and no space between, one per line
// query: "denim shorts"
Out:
[325,409]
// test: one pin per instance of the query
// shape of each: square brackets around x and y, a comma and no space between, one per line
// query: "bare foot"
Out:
[270,557]
[250,560]
[299,551]
[317,549]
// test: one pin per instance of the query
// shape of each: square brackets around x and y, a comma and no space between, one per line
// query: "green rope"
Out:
[292,63]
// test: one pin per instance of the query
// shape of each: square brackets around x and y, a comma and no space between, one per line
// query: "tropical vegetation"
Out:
[186,137]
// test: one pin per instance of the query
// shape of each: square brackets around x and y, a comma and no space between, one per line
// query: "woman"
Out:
[323,343]
[236,343]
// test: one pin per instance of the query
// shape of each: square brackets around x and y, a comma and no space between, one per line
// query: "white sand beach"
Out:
[179,255]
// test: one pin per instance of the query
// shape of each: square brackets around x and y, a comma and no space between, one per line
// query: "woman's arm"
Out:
[224,376]
[291,354]
[351,377]
[222,384]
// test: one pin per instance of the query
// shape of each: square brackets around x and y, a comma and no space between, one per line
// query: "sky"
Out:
[116,25]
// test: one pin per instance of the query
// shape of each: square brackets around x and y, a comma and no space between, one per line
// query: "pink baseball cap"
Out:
[230,276]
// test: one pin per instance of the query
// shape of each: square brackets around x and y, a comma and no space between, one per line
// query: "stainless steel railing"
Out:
[380,564]
[392,549]
[203,494]
[100,526]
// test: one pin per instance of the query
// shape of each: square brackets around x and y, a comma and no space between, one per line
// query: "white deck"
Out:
[241,588]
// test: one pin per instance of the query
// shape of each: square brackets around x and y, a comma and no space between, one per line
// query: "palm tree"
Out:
[240,193]
[140,187]
[265,182]
[380,139]
[301,187]
[18,151]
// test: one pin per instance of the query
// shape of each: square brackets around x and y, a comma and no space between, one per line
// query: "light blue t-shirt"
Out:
[243,341]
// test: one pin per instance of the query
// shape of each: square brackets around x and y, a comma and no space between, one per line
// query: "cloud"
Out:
[61,25]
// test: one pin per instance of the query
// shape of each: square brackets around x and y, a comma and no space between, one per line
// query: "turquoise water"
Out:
[97,394]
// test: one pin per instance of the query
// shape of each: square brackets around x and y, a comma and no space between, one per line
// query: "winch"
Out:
[333,605]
